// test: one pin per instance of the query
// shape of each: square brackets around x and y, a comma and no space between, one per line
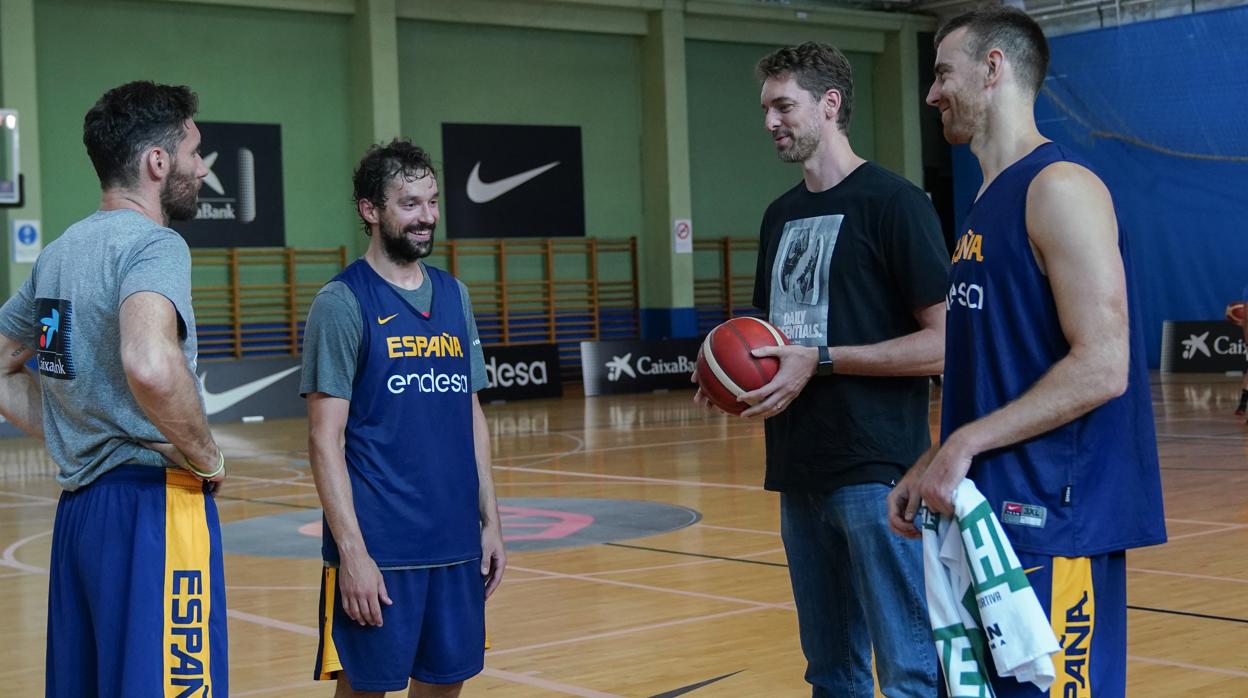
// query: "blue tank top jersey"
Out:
[1090,486]
[409,445]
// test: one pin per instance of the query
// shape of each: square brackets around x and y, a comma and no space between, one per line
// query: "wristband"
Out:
[824,367]
[208,476]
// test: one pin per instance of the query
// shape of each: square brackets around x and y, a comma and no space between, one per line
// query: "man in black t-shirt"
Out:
[852,267]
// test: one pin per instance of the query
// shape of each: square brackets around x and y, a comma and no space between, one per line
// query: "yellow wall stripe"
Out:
[188,585]
[330,664]
[1073,616]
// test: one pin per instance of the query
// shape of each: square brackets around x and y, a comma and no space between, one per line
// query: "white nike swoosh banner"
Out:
[219,402]
[484,192]
[512,181]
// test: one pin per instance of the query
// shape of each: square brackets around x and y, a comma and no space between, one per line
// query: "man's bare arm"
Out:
[920,353]
[21,402]
[1071,223]
[160,380]
[493,555]
[361,584]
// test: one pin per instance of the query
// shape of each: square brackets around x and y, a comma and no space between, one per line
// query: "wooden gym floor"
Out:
[659,614]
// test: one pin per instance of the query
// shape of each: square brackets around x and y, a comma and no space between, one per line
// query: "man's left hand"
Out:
[944,473]
[797,365]
[493,557]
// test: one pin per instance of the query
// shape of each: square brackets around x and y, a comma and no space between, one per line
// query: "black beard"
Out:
[179,198]
[399,249]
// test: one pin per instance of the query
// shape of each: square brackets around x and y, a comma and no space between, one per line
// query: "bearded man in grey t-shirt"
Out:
[136,599]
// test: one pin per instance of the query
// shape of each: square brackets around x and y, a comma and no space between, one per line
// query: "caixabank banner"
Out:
[635,366]
[502,180]
[521,372]
[240,202]
[1202,347]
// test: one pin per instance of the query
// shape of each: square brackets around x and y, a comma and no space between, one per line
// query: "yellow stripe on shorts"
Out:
[1072,613]
[188,584]
[330,664]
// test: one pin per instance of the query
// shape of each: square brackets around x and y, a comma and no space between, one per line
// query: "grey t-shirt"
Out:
[69,310]
[331,337]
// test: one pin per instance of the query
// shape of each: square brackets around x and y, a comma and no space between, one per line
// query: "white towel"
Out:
[978,596]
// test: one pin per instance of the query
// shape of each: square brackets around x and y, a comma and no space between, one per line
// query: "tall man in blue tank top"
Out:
[852,267]
[1046,401]
[400,451]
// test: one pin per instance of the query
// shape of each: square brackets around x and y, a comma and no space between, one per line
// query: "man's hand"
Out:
[178,458]
[797,365]
[363,590]
[493,557]
[903,502]
[944,473]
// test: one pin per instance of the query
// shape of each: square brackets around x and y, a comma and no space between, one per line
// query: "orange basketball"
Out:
[1235,313]
[727,370]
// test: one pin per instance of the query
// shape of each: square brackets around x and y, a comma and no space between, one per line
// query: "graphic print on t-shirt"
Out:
[53,316]
[799,278]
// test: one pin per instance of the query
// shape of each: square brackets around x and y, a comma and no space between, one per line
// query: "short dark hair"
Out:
[130,119]
[1009,29]
[817,67]
[382,163]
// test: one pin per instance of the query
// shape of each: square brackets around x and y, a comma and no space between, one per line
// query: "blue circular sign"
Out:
[26,234]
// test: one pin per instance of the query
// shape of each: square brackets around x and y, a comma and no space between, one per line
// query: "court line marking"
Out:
[530,680]
[522,679]
[23,495]
[1188,575]
[737,530]
[680,564]
[1236,527]
[1185,665]
[272,689]
[8,559]
[646,569]
[630,478]
[627,631]
[649,587]
[628,447]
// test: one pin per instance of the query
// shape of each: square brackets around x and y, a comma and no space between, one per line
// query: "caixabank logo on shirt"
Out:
[240,202]
[54,317]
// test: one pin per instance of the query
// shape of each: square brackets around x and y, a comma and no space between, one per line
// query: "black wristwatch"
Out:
[825,362]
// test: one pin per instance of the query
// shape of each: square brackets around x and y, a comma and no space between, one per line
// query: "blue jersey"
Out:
[409,441]
[1090,486]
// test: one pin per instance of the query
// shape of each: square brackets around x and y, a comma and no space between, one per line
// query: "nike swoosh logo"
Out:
[693,687]
[484,192]
[382,321]
[1029,570]
[219,402]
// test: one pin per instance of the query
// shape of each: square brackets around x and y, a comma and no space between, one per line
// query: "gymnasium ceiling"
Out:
[1056,16]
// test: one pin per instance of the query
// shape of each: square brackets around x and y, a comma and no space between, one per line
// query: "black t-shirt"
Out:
[849,266]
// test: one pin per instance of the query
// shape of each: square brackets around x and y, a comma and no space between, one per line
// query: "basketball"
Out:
[727,370]
[1235,313]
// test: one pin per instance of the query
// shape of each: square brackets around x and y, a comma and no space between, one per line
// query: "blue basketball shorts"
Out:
[434,631]
[1086,601]
[136,599]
